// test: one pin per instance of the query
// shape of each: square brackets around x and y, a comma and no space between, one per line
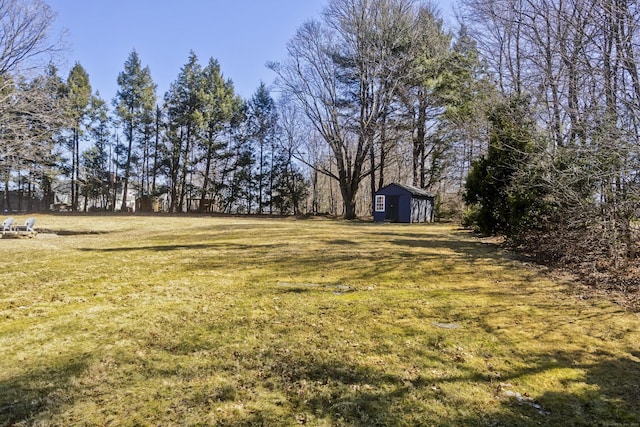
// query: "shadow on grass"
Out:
[75,232]
[381,252]
[351,394]
[334,390]
[355,395]
[608,394]
[181,247]
[618,382]
[39,391]
[323,387]
[470,249]
[342,242]
[156,248]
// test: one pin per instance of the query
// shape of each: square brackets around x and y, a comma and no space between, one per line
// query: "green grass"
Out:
[239,321]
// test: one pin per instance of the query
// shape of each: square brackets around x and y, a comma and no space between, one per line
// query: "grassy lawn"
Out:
[238,321]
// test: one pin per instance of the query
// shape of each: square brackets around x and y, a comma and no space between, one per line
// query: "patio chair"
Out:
[28,225]
[7,225]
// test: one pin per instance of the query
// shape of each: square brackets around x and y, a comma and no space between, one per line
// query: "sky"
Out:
[243,35]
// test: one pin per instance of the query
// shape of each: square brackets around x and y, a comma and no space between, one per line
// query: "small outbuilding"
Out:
[403,203]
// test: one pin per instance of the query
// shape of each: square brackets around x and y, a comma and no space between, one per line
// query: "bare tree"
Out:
[24,33]
[343,72]
[421,104]
[31,118]
[310,77]
[27,105]
[577,61]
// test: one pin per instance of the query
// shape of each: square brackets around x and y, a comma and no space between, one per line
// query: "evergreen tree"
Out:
[79,97]
[97,159]
[93,162]
[220,109]
[467,95]
[498,204]
[262,128]
[420,98]
[184,113]
[134,100]
[243,184]
[49,160]
[146,148]
[159,154]
[290,187]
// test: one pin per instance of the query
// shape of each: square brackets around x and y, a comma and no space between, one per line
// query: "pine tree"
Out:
[467,95]
[49,160]
[290,187]
[134,100]
[418,96]
[97,159]
[184,113]
[242,184]
[498,204]
[79,97]
[263,122]
[220,108]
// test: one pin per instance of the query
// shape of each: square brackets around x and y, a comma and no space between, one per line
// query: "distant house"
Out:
[403,203]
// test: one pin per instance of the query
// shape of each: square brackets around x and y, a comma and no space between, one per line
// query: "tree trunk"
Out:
[207,171]
[127,170]
[185,170]
[76,151]
[155,152]
[383,151]
[419,141]
[6,195]
[73,169]
[372,159]
[349,205]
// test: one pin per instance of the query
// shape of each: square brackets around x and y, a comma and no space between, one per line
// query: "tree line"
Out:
[561,174]
[375,92]
[201,146]
[392,94]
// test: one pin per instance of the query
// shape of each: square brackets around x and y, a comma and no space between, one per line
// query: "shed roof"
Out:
[415,191]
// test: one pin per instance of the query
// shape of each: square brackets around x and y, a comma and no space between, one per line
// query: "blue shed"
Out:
[403,203]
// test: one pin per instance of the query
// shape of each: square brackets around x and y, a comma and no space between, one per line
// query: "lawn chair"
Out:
[7,225]
[28,225]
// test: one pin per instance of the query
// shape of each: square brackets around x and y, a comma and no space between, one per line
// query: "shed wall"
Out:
[421,210]
[410,209]
[404,212]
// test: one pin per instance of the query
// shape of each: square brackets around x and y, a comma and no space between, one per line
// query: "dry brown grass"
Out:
[240,321]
